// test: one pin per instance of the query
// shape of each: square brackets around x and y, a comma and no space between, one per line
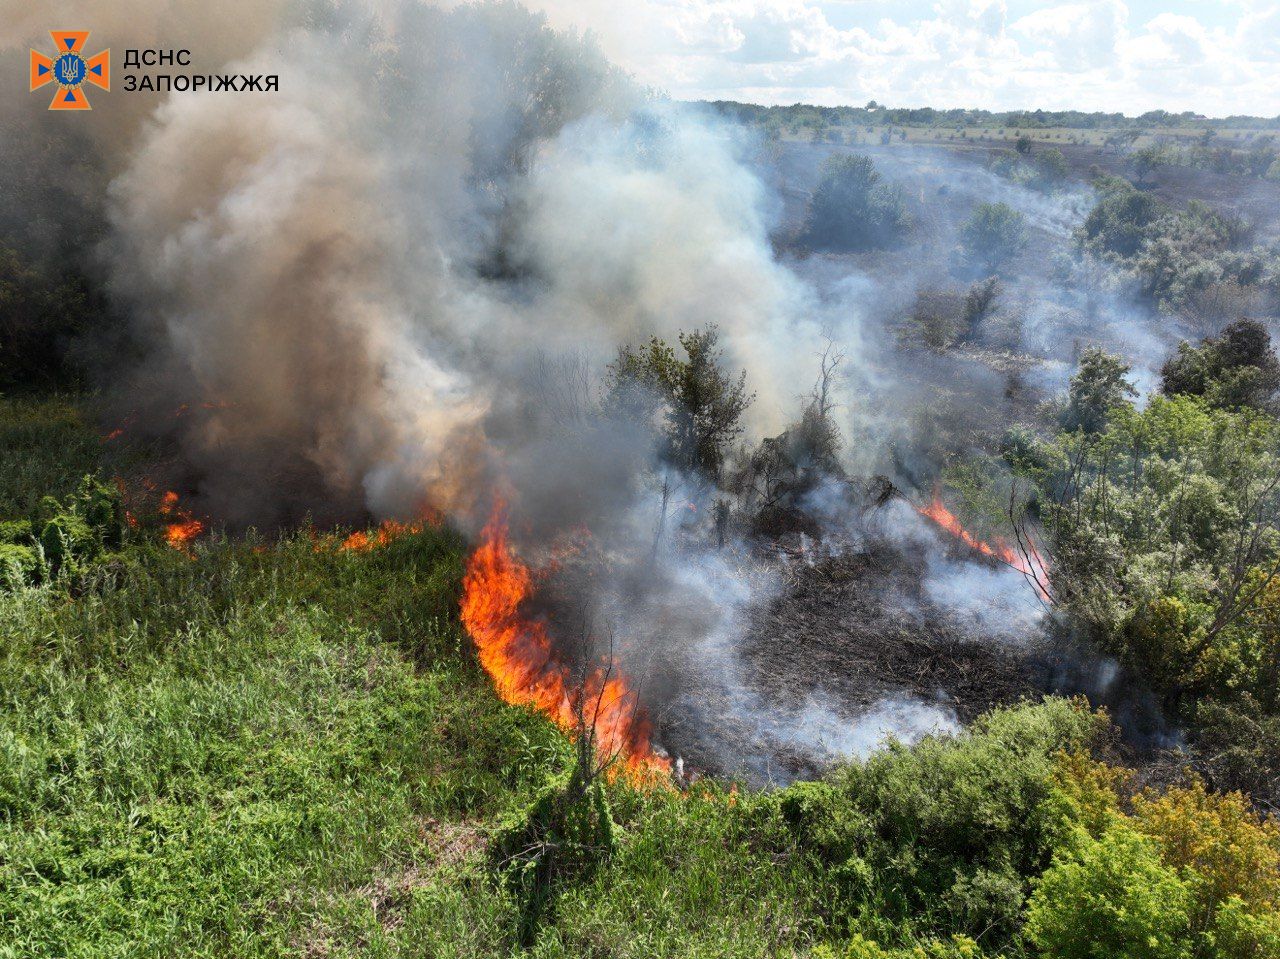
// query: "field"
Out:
[285,748]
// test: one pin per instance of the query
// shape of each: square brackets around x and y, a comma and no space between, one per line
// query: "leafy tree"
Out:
[1051,167]
[1098,386]
[992,235]
[1236,368]
[1165,527]
[853,209]
[700,402]
[1119,221]
[1146,160]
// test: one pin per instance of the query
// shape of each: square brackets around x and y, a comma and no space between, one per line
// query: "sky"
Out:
[1216,57]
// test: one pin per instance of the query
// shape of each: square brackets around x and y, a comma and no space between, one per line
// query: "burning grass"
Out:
[181,526]
[517,653]
[1025,557]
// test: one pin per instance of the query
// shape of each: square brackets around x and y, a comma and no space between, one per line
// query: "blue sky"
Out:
[1210,56]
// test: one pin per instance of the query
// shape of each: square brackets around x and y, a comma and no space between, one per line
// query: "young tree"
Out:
[993,234]
[1098,386]
[700,402]
[852,209]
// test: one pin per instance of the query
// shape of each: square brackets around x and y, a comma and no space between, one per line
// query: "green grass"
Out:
[268,749]
[45,447]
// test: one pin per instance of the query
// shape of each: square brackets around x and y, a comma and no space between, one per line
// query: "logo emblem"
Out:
[70,70]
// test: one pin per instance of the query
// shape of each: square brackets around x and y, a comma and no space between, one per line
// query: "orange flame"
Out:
[1026,561]
[362,541]
[184,527]
[517,654]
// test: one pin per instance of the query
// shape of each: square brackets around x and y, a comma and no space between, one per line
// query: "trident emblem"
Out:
[70,70]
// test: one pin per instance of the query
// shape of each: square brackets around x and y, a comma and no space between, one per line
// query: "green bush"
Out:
[942,836]
[993,235]
[1111,896]
[82,527]
[853,209]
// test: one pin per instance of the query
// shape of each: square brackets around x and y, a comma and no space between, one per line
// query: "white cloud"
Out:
[1074,36]
[1082,54]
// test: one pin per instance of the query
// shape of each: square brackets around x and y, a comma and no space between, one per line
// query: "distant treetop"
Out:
[806,114]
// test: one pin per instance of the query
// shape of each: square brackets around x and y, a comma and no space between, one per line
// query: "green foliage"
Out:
[942,836]
[1163,525]
[1051,167]
[1236,368]
[563,836]
[81,528]
[1190,260]
[1241,740]
[1098,386]
[45,447]
[957,947]
[700,402]
[852,209]
[1110,896]
[993,235]
[1118,222]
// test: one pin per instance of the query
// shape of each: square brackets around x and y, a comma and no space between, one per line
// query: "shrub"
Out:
[1110,896]
[1219,842]
[945,833]
[74,532]
[992,235]
[852,209]
[1119,221]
